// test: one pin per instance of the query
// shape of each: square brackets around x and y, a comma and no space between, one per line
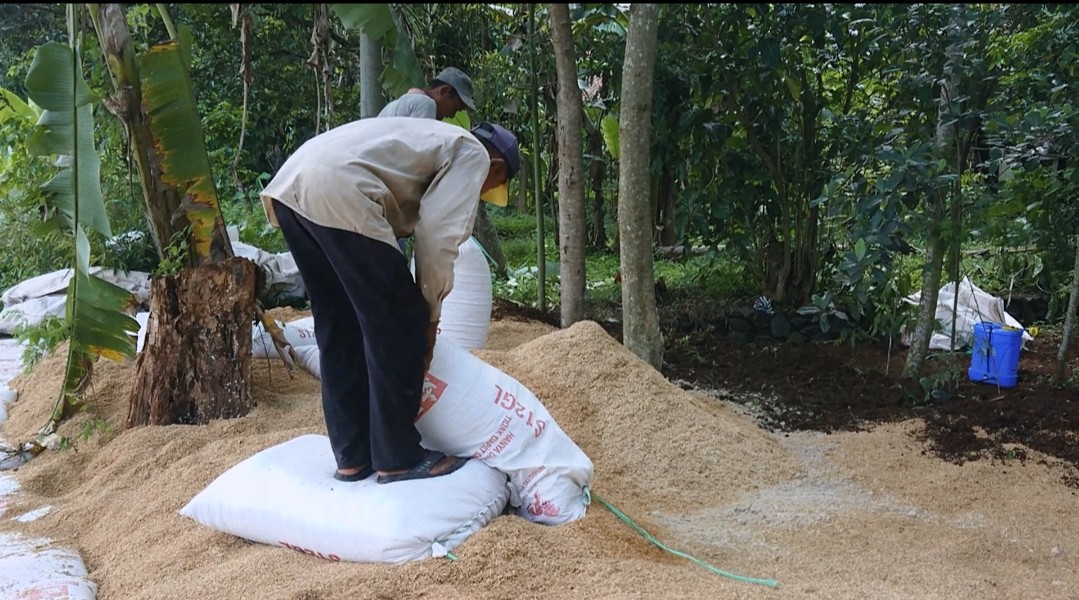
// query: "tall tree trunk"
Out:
[1069,321]
[550,182]
[371,98]
[571,239]
[523,180]
[485,234]
[195,365]
[948,138]
[537,198]
[936,246]
[927,305]
[640,319]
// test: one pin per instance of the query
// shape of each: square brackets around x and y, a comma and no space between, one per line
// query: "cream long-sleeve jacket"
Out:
[387,178]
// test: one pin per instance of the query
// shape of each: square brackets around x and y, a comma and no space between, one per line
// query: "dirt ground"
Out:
[811,470]
[832,387]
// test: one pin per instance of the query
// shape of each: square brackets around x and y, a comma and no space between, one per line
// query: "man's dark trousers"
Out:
[371,329]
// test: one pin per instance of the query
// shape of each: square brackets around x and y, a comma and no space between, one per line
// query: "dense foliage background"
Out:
[796,147]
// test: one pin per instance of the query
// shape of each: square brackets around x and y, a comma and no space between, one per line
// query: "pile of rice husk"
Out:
[845,516]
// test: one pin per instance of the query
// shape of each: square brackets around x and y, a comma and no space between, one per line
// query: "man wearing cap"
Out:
[341,200]
[448,93]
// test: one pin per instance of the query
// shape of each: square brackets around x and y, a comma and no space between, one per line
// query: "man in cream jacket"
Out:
[342,200]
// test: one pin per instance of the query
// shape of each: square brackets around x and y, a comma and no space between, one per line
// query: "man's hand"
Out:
[432,334]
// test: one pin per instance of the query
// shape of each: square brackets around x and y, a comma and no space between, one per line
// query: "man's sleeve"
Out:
[411,105]
[447,214]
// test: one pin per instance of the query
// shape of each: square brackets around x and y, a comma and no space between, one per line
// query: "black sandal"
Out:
[422,470]
[360,475]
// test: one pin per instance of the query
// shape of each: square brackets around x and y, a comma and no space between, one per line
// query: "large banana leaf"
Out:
[178,136]
[66,130]
[97,324]
[99,327]
[378,22]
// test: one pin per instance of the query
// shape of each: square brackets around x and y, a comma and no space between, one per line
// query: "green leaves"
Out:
[66,129]
[178,137]
[609,127]
[96,309]
[98,325]
[378,22]
[13,107]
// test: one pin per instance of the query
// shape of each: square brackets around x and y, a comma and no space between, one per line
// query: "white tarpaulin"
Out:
[29,302]
[282,277]
[974,306]
[10,366]
[33,567]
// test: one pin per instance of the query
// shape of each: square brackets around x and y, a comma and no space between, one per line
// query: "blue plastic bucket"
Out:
[995,355]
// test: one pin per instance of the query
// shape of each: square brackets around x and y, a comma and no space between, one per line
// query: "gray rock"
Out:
[780,327]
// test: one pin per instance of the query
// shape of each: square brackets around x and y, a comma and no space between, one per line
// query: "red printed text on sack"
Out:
[541,507]
[332,557]
[509,402]
[497,442]
[433,387]
[57,590]
[531,477]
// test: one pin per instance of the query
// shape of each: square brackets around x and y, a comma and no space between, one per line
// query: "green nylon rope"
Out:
[768,582]
[484,251]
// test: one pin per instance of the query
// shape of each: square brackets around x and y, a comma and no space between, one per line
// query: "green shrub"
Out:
[41,339]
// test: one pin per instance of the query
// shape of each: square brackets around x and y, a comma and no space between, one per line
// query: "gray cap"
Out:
[461,83]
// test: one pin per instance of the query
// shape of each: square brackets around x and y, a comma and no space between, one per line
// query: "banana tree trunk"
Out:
[195,365]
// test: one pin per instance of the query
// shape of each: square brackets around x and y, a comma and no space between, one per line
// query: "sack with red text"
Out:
[286,496]
[298,334]
[471,408]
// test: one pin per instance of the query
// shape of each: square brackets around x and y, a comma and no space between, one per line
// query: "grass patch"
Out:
[712,275]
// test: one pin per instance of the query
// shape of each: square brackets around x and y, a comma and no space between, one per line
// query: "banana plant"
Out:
[97,310]
[382,25]
[156,102]
[176,133]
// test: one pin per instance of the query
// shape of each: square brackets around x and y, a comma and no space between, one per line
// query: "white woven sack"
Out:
[471,408]
[307,357]
[286,496]
[466,310]
[30,568]
[298,333]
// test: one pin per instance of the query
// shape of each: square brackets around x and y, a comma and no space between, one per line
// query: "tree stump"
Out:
[195,364]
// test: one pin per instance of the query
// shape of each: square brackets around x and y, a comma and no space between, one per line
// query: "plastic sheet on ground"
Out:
[282,276]
[974,306]
[10,366]
[33,567]
[30,301]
